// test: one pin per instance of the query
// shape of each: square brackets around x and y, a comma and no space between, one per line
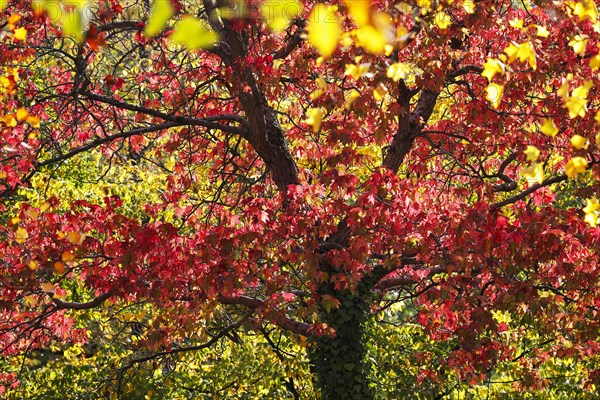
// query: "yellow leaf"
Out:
[527,53]
[511,51]
[3,4]
[278,14]
[586,10]
[591,220]
[579,44]
[72,25]
[9,120]
[549,128]
[351,98]
[31,301]
[379,92]
[492,67]
[162,11]
[442,20]
[315,116]
[371,39]
[592,205]
[322,83]
[591,217]
[424,4]
[532,153]
[398,71]
[193,33]
[20,34]
[22,114]
[360,10]
[21,235]
[595,62]
[542,31]
[48,287]
[494,94]
[533,173]
[576,165]
[523,52]
[33,265]
[579,142]
[357,71]
[576,106]
[33,121]
[577,103]
[74,237]
[469,6]
[516,23]
[320,90]
[31,213]
[404,8]
[402,34]
[324,30]
[12,21]
[44,207]
[582,91]
[563,90]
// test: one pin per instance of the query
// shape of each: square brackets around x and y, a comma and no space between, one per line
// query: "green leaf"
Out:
[162,11]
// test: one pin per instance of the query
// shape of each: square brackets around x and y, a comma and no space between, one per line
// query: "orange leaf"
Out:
[67,256]
[59,267]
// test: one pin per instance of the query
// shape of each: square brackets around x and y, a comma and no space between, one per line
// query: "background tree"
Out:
[321,169]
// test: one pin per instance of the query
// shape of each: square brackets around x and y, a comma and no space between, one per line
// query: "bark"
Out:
[410,125]
[267,137]
[265,134]
[340,362]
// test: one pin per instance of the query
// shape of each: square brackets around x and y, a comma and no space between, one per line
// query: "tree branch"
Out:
[291,325]
[293,42]
[61,305]
[204,122]
[410,125]
[406,280]
[533,188]
[176,350]
[107,139]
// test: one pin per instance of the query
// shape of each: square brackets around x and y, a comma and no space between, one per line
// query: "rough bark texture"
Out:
[410,125]
[267,138]
[265,134]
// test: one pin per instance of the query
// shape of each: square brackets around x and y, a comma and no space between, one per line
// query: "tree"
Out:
[319,165]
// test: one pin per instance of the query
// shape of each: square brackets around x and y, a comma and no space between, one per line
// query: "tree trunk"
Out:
[340,363]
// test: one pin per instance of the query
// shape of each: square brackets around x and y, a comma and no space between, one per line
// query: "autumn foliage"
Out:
[354,175]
